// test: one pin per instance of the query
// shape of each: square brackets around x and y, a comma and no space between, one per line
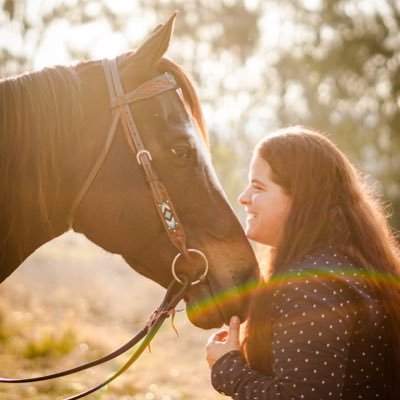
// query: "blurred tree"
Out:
[344,70]
[332,64]
[213,39]
[26,25]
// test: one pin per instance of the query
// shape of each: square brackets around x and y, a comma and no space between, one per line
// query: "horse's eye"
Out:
[181,152]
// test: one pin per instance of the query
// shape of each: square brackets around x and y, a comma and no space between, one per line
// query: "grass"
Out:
[70,303]
[51,345]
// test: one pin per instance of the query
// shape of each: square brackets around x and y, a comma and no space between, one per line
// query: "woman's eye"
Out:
[181,152]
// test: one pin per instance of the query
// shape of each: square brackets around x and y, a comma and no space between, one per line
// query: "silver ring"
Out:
[139,153]
[204,274]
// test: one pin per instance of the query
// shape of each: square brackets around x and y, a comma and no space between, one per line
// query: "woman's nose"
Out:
[244,198]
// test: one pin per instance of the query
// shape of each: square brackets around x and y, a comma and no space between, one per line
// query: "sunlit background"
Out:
[258,65]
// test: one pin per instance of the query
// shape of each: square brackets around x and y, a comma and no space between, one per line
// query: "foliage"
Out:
[346,69]
[5,332]
[51,345]
[259,65]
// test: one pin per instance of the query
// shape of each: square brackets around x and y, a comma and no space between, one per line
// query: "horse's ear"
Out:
[157,28]
[157,44]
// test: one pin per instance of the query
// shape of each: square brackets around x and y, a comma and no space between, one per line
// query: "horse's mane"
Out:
[190,96]
[37,110]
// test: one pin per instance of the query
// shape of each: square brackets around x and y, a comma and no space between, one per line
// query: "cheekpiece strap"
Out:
[120,104]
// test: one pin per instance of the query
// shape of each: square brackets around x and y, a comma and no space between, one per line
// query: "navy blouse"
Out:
[329,338]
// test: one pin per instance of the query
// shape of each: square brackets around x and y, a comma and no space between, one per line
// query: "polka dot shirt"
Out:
[329,338]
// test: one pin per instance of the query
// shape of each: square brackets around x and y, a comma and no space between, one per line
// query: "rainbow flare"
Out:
[248,288]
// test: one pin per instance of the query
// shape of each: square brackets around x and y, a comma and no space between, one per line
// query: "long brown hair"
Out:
[331,205]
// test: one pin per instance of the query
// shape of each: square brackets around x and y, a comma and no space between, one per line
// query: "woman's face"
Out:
[266,204]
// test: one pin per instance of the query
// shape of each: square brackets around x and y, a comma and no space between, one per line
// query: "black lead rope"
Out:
[167,306]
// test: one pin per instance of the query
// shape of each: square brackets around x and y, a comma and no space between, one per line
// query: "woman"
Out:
[325,322]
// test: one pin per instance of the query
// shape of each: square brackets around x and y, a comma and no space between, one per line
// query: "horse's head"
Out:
[118,213]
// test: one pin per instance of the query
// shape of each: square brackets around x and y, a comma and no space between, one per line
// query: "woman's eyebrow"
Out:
[258,182]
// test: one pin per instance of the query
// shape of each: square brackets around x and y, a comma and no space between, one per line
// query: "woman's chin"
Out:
[247,231]
[250,234]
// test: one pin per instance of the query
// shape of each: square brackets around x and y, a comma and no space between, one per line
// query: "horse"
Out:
[53,126]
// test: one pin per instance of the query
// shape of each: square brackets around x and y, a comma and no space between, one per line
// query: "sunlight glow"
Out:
[293,277]
[95,38]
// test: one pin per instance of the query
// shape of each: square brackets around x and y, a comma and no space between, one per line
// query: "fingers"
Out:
[223,341]
[222,335]
[232,335]
[234,330]
[219,336]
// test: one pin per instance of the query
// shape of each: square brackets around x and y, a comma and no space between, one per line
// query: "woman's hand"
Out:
[223,341]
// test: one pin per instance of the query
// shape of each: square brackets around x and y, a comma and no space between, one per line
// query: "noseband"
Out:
[119,102]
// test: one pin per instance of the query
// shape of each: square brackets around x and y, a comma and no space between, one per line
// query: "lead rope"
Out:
[165,309]
[163,314]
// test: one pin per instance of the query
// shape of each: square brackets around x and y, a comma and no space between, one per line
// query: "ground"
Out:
[71,302]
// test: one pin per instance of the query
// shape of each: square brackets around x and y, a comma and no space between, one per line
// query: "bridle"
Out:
[119,102]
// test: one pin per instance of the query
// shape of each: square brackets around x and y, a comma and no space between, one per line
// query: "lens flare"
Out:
[223,298]
[348,275]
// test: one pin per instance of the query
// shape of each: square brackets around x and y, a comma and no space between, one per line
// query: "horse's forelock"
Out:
[190,96]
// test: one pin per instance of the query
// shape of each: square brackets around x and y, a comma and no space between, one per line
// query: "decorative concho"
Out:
[168,216]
